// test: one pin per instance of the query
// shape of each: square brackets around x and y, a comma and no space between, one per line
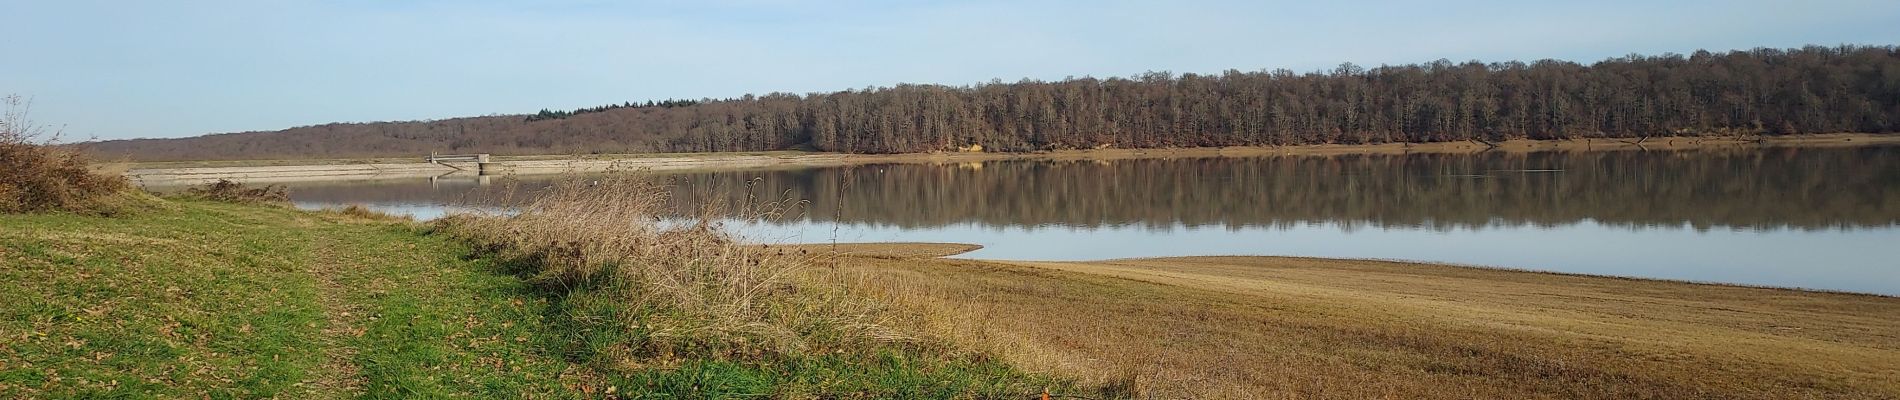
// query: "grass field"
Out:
[215,300]
[240,301]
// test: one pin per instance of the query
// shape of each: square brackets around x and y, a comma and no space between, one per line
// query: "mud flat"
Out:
[1272,327]
[286,173]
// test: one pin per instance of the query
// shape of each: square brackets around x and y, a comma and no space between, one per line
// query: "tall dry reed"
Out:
[687,287]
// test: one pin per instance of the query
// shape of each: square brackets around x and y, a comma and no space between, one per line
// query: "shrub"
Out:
[234,192]
[360,212]
[37,176]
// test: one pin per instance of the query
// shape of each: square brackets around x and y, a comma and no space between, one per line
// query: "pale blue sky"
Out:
[123,69]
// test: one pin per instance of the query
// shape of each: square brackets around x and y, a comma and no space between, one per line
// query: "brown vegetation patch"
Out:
[36,176]
[234,192]
[875,250]
[358,211]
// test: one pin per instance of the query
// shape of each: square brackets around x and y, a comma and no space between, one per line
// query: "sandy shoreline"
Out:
[926,250]
[1245,324]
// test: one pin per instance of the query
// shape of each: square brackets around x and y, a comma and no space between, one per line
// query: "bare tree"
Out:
[16,127]
[36,175]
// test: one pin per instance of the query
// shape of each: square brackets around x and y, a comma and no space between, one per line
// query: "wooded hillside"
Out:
[1767,91]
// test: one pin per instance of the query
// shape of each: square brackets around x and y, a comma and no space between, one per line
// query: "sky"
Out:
[129,69]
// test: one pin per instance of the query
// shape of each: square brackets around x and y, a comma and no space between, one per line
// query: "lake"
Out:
[1818,218]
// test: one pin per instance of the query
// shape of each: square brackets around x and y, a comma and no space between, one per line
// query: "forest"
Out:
[1815,89]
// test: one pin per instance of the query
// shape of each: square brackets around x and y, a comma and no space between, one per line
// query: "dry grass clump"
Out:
[681,289]
[234,192]
[358,211]
[36,176]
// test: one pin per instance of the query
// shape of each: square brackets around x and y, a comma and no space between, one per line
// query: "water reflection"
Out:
[1803,188]
[1823,218]
[1799,188]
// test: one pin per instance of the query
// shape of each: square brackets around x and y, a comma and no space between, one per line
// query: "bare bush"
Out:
[235,192]
[358,211]
[37,176]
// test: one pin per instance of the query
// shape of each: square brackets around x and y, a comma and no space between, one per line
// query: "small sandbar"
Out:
[880,250]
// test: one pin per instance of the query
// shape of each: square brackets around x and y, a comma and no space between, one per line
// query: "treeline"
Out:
[1760,91]
[547,114]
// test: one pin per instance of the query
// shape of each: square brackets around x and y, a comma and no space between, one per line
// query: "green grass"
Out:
[430,324]
[586,334]
[211,300]
[192,302]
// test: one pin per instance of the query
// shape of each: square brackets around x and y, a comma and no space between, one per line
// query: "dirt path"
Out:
[338,376]
[213,300]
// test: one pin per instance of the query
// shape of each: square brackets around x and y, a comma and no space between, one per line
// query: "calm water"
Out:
[1809,218]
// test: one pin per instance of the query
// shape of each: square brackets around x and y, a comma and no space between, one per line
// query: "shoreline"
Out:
[1246,322]
[946,251]
[276,171]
